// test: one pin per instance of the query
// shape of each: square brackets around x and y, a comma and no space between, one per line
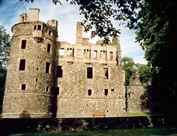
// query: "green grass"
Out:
[138,113]
[113,132]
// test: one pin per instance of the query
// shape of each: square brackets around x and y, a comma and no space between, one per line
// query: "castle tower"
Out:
[30,77]
[79,32]
[116,43]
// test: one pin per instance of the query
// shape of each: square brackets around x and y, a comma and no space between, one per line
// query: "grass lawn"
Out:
[113,132]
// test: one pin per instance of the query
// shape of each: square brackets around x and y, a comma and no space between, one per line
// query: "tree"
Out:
[145,74]
[129,66]
[4,46]
[2,84]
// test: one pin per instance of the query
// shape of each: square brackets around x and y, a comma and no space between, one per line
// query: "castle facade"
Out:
[47,77]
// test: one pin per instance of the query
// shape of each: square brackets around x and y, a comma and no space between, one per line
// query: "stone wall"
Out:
[73,99]
[135,91]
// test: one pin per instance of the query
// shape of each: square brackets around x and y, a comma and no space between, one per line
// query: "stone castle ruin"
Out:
[47,77]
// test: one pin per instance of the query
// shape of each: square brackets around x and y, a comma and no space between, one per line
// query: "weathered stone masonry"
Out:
[89,77]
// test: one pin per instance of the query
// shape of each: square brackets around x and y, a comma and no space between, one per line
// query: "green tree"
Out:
[4,46]
[129,66]
[145,74]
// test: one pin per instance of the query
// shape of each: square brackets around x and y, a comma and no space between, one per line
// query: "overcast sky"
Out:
[67,15]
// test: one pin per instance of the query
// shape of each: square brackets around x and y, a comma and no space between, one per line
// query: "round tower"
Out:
[30,68]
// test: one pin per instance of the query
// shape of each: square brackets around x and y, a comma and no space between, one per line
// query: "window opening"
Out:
[47,89]
[23,87]
[111,55]
[39,27]
[23,44]
[59,71]
[22,65]
[48,48]
[89,72]
[89,92]
[106,74]
[105,92]
[47,67]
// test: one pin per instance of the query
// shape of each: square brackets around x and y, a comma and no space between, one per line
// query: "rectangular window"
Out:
[35,27]
[61,52]
[89,72]
[47,67]
[50,32]
[105,92]
[105,54]
[70,52]
[111,55]
[48,48]
[47,89]
[89,92]
[23,44]
[59,71]
[22,65]
[106,73]
[23,87]
[39,27]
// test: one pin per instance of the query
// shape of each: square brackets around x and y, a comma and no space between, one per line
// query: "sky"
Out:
[67,16]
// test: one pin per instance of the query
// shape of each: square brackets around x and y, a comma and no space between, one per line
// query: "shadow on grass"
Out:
[112,132]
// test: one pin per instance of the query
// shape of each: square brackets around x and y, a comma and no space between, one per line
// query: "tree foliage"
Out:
[129,66]
[99,14]
[4,46]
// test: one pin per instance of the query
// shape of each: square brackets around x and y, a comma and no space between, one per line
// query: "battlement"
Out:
[32,15]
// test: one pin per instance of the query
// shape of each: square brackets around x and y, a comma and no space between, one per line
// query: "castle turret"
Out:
[29,77]
[79,32]
[116,43]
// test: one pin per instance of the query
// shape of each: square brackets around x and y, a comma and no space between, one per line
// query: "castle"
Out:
[47,77]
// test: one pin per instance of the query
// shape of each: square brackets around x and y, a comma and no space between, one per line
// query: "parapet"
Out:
[31,16]
[79,32]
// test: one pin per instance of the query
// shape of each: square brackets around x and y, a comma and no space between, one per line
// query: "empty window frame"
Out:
[89,72]
[47,67]
[47,89]
[70,52]
[48,48]
[88,53]
[50,32]
[61,52]
[59,71]
[22,65]
[89,92]
[23,87]
[111,55]
[39,27]
[35,27]
[106,73]
[105,92]
[23,44]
